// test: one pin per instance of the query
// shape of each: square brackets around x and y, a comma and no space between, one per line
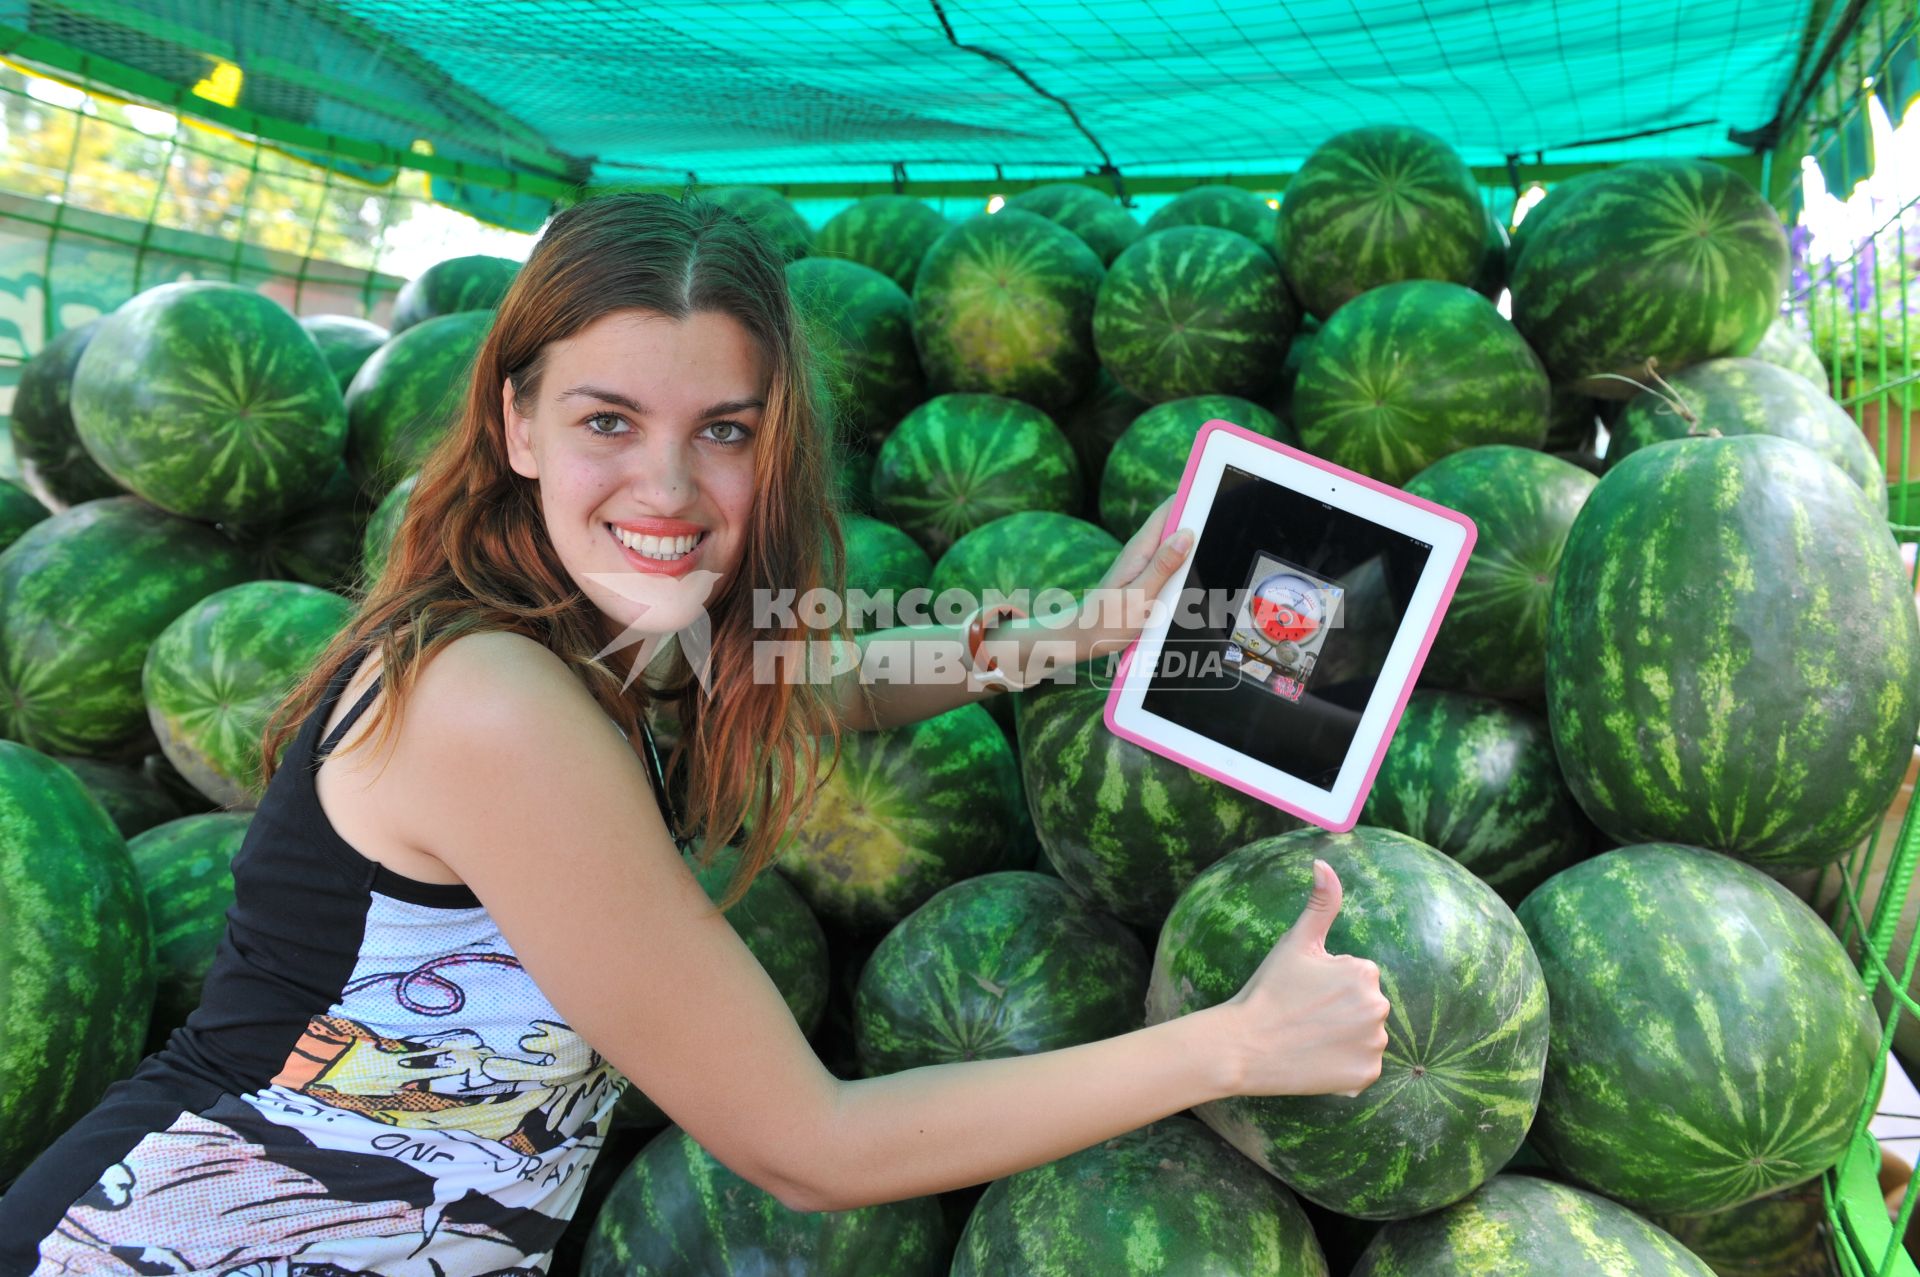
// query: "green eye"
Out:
[740,433]
[604,434]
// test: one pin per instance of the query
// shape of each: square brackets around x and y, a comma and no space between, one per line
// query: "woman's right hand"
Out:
[1311,1022]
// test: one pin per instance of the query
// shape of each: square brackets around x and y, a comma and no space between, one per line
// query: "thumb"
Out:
[1323,906]
[1165,561]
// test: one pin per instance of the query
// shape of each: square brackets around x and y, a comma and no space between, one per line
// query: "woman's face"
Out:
[642,440]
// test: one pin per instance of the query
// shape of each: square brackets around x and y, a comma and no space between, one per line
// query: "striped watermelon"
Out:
[1733,659]
[859,325]
[887,233]
[1003,305]
[907,811]
[1002,964]
[1147,462]
[1748,396]
[769,213]
[1122,825]
[345,343]
[885,563]
[135,801]
[384,526]
[1711,1040]
[1476,778]
[1520,1226]
[217,672]
[318,544]
[76,954]
[1166,1200]
[185,876]
[45,442]
[457,285]
[407,394]
[1783,1234]
[1674,260]
[1467,1038]
[19,510]
[1193,310]
[1494,638]
[1093,425]
[82,596]
[209,400]
[1231,208]
[1042,553]
[676,1212]
[1374,206]
[1408,373]
[959,461]
[1105,227]
[1781,345]
[1298,349]
[1559,197]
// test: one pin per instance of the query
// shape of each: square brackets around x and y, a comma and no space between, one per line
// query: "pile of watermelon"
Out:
[1682,667]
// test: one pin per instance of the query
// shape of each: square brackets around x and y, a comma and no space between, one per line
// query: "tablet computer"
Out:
[1292,639]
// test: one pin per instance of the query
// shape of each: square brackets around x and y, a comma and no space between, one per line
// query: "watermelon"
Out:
[319,544]
[1122,825]
[345,343]
[1491,279]
[452,287]
[859,324]
[1003,305]
[48,447]
[1467,1038]
[1670,260]
[1045,555]
[134,800]
[1101,224]
[884,563]
[210,401]
[1297,352]
[1711,1040]
[217,672]
[1190,311]
[1375,206]
[1520,1226]
[1476,778]
[907,810]
[1494,638]
[769,214]
[76,954]
[1231,208]
[959,461]
[1781,345]
[19,510]
[887,233]
[853,481]
[82,595]
[1408,373]
[1573,422]
[1093,425]
[1167,1199]
[1558,198]
[1148,461]
[383,527]
[1783,1234]
[407,394]
[676,1212]
[1008,963]
[185,875]
[1748,396]
[1731,653]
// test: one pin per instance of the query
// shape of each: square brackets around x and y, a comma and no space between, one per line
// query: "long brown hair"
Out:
[472,553]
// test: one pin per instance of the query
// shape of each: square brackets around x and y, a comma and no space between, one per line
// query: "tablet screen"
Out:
[1288,611]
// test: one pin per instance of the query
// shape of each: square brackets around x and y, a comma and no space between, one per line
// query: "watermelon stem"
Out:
[1667,395]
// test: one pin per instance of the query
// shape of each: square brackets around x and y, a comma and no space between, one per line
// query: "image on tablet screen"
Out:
[1285,617]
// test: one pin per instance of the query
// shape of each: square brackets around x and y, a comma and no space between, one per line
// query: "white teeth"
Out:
[663,548]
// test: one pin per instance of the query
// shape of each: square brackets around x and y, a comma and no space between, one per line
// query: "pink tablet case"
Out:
[1352,818]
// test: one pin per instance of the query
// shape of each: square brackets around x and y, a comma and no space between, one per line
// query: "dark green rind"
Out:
[1102,225]
[1558,198]
[19,510]
[1749,396]
[1231,208]
[476,282]
[210,401]
[216,673]
[1167,1200]
[1002,964]
[319,545]
[188,884]
[960,461]
[1003,305]
[907,811]
[769,213]
[1733,659]
[676,1212]
[1093,425]
[885,563]
[859,324]
[1467,1037]
[1494,638]
[345,343]
[1045,555]
[135,801]
[1675,260]
[1573,422]
[1519,1226]
[889,233]
[383,526]
[1491,279]
[1374,206]
[48,448]
[82,595]
[1122,825]
[1191,311]
[407,395]
[1781,345]
[1781,1235]
[1711,1040]
[1147,462]
[76,954]
[1476,778]
[1406,374]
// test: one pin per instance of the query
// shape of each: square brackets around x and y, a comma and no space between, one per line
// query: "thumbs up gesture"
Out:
[1312,1022]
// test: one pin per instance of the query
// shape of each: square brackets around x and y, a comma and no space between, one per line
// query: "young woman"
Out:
[450,943]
